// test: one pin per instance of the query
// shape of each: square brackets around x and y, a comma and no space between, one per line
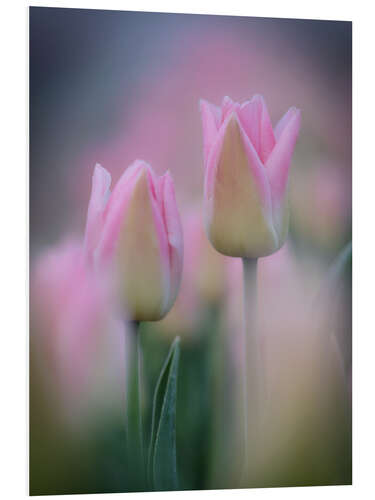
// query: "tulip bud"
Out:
[136,233]
[246,176]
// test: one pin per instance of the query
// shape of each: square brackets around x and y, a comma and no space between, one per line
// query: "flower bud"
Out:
[246,176]
[135,232]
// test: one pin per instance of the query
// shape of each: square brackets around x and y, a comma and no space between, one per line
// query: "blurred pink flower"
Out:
[74,332]
[135,232]
[246,176]
[321,203]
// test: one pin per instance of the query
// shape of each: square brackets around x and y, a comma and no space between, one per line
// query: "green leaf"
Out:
[335,275]
[340,264]
[162,464]
[334,302]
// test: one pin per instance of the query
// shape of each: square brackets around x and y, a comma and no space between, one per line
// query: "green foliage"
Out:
[162,466]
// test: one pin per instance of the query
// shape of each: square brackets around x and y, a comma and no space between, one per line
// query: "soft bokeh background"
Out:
[110,87]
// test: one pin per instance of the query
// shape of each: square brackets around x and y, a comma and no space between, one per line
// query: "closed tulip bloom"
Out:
[135,232]
[246,176]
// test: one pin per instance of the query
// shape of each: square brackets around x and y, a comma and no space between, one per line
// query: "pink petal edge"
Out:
[210,115]
[175,234]
[100,192]
[278,163]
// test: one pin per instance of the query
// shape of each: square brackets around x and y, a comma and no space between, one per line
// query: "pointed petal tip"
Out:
[98,169]
[294,113]
[202,102]
[146,167]
[259,98]
[101,174]
[168,175]
[295,117]
[166,179]
[294,110]
[206,106]
[226,101]
[140,163]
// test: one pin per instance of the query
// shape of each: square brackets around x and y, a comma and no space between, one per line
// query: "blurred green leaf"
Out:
[337,272]
[340,264]
[162,466]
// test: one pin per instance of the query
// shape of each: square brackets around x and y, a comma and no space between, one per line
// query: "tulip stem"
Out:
[252,369]
[134,427]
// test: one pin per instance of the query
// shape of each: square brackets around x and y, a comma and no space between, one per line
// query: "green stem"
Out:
[253,376]
[134,426]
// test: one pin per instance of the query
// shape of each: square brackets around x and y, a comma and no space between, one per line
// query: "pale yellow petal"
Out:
[142,275]
[238,222]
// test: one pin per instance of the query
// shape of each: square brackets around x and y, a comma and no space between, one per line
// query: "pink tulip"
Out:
[135,232]
[246,176]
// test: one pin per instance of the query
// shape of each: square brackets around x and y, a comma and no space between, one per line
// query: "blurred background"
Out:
[110,87]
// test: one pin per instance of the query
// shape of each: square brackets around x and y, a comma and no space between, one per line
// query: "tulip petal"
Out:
[237,196]
[126,179]
[175,236]
[249,115]
[256,121]
[277,169]
[210,122]
[115,209]
[100,191]
[283,122]
[278,163]
[267,138]
[227,107]
[141,255]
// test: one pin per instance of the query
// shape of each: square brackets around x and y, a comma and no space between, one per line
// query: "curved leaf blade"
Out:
[162,465]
